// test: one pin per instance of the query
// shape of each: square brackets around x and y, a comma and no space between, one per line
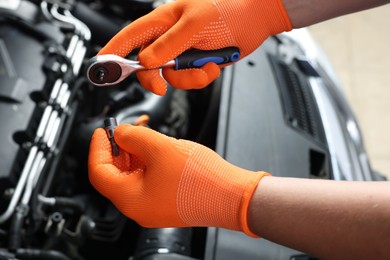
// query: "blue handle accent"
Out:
[197,58]
[235,57]
[203,61]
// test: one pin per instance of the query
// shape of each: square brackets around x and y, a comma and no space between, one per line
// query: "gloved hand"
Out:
[175,27]
[159,181]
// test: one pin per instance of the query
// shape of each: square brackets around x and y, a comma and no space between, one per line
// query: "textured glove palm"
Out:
[163,182]
[201,24]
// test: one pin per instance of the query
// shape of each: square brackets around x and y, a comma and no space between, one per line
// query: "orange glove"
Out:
[160,181]
[201,24]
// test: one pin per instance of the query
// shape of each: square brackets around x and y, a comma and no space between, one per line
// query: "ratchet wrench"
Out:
[108,69]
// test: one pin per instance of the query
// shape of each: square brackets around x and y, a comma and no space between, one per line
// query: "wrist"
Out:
[247,199]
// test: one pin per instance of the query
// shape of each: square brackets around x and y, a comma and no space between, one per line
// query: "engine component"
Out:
[50,113]
[165,243]
[38,90]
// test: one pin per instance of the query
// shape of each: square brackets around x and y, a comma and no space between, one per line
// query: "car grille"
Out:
[299,106]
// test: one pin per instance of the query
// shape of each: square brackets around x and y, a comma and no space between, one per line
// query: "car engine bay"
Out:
[48,208]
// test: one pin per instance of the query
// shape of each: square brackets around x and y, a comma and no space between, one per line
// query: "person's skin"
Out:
[308,12]
[326,219]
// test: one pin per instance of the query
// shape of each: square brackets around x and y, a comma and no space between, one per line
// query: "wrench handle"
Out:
[197,58]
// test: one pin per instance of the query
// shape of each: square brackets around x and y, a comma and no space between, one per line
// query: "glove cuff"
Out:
[261,19]
[283,13]
[246,200]
[213,192]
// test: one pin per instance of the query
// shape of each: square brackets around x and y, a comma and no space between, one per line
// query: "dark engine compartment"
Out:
[48,208]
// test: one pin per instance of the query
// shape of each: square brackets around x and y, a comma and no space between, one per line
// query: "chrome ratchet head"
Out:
[108,69]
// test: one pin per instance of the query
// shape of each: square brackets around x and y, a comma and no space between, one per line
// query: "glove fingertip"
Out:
[192,78]
[121,130]
[159,89]
[159,52]
[140,141]
[98,133]
[152,81]
[129,138]
[212,70]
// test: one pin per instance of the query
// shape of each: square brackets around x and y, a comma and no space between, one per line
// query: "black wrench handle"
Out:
[195,58]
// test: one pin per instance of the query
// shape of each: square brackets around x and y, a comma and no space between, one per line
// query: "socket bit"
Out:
[109,125]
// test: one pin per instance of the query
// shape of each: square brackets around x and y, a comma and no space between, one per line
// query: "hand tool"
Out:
[108,69]
[109,125]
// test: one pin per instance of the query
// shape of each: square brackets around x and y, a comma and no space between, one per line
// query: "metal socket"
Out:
[109,125]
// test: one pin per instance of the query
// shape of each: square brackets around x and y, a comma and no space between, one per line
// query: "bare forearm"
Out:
[307,12]
[327,219]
